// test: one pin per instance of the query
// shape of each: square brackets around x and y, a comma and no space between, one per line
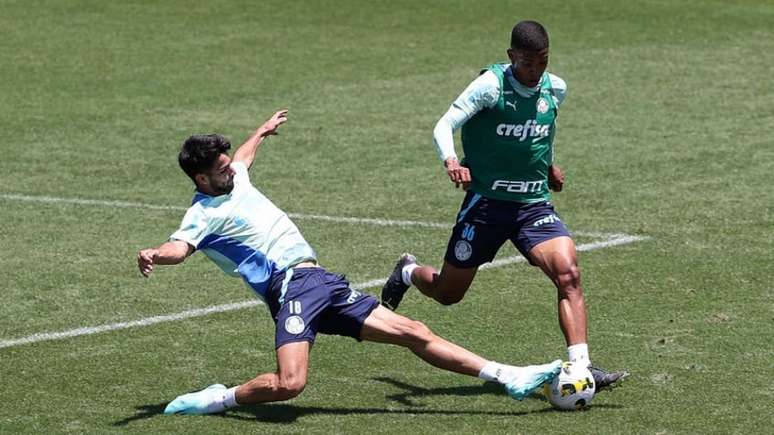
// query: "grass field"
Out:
[666,135]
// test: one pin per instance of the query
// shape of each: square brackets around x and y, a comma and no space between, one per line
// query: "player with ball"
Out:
[508,120]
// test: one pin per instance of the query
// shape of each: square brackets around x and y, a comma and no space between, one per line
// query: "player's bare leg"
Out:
[287,382]
[558,259]
[447,287]
[385,326]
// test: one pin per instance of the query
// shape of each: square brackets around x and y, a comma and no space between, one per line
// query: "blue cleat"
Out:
[531,378]
[200,402]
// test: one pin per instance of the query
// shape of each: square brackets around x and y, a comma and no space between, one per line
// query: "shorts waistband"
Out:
[305,265]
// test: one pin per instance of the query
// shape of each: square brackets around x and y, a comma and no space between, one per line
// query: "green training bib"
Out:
[508,147]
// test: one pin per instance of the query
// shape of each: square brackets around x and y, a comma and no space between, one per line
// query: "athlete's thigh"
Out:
[455,281]
[385,326]
[293,360]
[555,256]
[537,224]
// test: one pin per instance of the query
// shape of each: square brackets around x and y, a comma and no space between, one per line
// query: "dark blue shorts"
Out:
[484,224]
[315,300]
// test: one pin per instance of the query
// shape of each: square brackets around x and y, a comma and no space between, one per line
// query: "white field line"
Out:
[300,216]
[619,239]
[47,336]
[127,204]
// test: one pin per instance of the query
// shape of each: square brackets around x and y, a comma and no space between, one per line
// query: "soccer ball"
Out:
[573,388]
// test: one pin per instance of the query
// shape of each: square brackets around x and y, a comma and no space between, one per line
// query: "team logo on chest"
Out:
[542,105]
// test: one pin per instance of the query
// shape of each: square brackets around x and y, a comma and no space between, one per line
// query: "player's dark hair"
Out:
[529,35]
[200,151]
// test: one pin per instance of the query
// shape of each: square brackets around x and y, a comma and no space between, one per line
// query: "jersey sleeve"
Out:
[560,89]
[480,94]
[193,228]
[241,176]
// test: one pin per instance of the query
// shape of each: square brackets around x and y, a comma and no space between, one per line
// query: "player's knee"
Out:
[417,333]
[450,293]
[568,281]
[451,297]
[290,387]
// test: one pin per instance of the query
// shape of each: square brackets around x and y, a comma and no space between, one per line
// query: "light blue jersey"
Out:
[244,233]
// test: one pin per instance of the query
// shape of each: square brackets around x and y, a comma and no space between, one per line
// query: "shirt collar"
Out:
[524,91]
[199,197]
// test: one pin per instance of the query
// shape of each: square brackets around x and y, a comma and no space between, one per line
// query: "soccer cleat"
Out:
[200,402]
[529,379]
[606,380]
[395,288]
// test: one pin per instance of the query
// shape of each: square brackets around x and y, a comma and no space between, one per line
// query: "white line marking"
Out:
[619,239]
[359,220]
[340,219]
[46,336]
[127,204]
[82,201]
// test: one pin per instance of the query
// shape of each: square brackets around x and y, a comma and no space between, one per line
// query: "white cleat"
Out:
[526,380]
[201,402]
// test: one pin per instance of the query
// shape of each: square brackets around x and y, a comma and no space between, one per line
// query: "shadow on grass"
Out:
[413,392]
[283,413]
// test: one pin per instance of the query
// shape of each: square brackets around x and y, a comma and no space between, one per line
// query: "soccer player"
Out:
[247,236]
[508,119]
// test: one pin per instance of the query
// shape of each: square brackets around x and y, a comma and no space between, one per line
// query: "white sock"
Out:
[230,400]
[491,371]
[407,271]
[222,400]
[579,353]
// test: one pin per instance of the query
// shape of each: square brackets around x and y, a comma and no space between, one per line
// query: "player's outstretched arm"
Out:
[172,252]
[246,152]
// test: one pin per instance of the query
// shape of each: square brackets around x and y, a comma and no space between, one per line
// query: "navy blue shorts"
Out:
[484,224]
[316,300]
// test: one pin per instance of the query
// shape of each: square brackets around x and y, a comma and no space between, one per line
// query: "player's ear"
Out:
[201,179]
[511,55]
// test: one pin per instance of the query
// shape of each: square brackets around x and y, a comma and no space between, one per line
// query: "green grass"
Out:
[665,134]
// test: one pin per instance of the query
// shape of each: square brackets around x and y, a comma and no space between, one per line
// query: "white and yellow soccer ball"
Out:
[573,388]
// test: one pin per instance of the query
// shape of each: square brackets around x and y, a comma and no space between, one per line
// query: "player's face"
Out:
[529,65]
[221,177]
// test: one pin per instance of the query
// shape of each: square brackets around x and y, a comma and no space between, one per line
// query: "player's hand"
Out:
[555,178]
[458,174]
[269,128]
[145,260]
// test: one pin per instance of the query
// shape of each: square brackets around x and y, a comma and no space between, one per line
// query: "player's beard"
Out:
[224,188]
